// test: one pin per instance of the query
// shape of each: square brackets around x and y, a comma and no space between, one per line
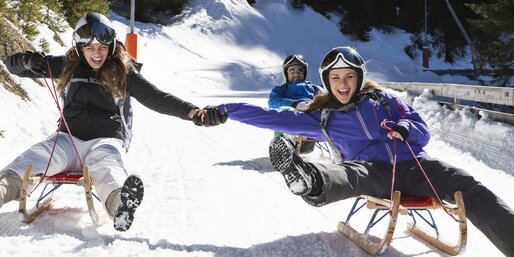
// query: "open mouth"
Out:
[96,61]
[344,92]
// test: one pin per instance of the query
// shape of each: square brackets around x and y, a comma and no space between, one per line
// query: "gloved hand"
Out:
[35,62]
[209,116]
[303,105]
[402,130]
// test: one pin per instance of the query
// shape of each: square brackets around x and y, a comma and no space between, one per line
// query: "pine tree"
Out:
[73,9]
[495,42]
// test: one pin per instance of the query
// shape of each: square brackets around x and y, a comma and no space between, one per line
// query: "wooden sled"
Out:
[45,200]
[413,206]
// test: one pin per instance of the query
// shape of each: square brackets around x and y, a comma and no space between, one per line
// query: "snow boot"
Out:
[131,195]
[296,172]
[10,186]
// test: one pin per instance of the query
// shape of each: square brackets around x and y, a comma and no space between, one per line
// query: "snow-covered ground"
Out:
[212,191]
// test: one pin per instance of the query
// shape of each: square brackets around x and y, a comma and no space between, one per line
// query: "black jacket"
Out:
[91,113]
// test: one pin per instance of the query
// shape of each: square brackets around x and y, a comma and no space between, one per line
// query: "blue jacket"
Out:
[356,133]
[287,94]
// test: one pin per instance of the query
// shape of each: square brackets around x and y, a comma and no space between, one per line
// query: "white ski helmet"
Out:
[342,57]
[94,28]
[295,59]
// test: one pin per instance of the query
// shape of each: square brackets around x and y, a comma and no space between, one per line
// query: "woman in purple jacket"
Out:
[349,117]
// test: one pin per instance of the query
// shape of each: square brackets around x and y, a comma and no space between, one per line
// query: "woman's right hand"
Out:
[34,62]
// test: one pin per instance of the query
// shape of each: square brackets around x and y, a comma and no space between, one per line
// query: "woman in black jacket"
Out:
[96,79]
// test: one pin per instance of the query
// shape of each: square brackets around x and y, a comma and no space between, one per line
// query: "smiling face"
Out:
[96,54]
[343,83]
[295,76]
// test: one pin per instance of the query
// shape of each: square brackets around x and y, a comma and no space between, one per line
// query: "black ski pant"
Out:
[484,209]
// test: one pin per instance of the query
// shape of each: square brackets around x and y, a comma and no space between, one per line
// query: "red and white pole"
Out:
[131,38]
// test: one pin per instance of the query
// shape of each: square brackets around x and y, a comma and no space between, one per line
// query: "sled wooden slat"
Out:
[362,240]
[79,178]
[406,206]
[89,195]
[440,244]
[24,214]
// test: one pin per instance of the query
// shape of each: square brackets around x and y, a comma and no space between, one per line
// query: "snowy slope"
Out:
[212,191]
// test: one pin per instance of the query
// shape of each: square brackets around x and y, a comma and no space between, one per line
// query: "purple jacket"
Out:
[356,133]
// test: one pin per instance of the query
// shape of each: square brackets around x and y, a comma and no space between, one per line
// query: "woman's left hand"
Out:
[398,131]
[393,134]
[209,116]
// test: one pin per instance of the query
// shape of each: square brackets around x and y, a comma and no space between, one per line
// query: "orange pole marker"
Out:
[131,44]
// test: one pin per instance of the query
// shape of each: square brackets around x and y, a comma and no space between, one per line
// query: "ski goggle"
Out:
[342,57]
[297,70]
[294,59]
[86,34]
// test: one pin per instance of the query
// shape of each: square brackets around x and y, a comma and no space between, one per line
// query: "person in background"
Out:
[350,117]
[96,79]
[296,92]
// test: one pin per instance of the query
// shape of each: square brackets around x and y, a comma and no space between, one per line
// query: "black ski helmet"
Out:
[342,57]
[295,59]
[94,28]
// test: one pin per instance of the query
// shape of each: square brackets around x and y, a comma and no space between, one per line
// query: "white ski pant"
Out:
[103,156]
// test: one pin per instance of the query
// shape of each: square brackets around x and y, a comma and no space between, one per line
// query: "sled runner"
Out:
[413,206]
[45,199]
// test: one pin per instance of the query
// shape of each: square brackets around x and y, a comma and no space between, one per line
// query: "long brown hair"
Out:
[328,100]
[112,74]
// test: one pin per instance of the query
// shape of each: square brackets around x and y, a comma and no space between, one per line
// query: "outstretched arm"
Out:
[150,96]
[34,64]
[287,121]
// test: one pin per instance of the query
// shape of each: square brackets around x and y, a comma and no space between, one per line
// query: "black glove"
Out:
[212,117]
[196,118]
[401,128]
[34,62]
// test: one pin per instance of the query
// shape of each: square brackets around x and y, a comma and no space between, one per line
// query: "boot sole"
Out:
[281,154]
[131,196]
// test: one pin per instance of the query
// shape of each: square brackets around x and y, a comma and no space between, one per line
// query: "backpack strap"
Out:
[325,115]
[125,118]
[375,95]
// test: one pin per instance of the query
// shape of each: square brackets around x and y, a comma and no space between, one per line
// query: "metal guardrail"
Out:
[491,95]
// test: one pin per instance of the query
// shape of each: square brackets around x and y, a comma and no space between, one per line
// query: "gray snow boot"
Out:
[131,195]
[296,172]
[10,186]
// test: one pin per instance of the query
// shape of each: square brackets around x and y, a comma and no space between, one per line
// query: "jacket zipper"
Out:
[359,116]
[387,147]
